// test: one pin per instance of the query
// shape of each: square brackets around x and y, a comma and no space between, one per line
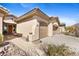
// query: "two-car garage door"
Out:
[43,31]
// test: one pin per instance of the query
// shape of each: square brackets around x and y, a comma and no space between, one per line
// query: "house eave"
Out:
[9,22]
[33,13]
[4,11]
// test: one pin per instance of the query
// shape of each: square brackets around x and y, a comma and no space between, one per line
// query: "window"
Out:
[5,29]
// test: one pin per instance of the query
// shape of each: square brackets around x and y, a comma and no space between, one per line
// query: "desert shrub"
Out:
[66,33]
[60,50]
[70,28]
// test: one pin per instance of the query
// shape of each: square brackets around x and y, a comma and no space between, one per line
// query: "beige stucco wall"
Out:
[62,29]
[40,19]
[33,26]
[1,23]
[35,35]
[56,23]
[29,27]
[57,31]
[43,30]
[50,29]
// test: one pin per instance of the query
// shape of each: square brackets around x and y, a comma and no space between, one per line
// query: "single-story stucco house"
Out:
[33,25]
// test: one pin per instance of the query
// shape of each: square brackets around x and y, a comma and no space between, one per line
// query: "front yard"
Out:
[50,46]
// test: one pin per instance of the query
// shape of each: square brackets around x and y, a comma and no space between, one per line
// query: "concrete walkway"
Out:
[30,48]
[58,39]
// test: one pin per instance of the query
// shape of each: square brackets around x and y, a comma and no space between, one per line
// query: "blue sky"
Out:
[67,12]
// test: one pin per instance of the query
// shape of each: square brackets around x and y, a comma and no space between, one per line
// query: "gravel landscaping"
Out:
[19,47]
[58,39]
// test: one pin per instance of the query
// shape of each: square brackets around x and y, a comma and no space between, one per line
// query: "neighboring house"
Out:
[76,29]
[62,27]
[32,25]
[7,23]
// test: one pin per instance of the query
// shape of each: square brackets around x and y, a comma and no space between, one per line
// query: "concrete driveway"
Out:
[58,39]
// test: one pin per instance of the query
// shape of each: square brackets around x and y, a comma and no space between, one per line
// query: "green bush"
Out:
[61,50]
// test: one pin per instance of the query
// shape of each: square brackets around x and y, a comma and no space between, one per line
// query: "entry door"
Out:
[10,29]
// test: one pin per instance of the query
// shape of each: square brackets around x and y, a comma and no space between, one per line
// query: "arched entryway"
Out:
[56,29]
[9,28]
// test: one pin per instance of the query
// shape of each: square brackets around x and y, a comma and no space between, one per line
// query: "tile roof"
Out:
[34,12]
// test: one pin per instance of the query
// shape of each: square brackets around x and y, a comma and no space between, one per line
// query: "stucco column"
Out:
[34,35]
[30,37]
[50,29]
[1,23]
[62,28]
